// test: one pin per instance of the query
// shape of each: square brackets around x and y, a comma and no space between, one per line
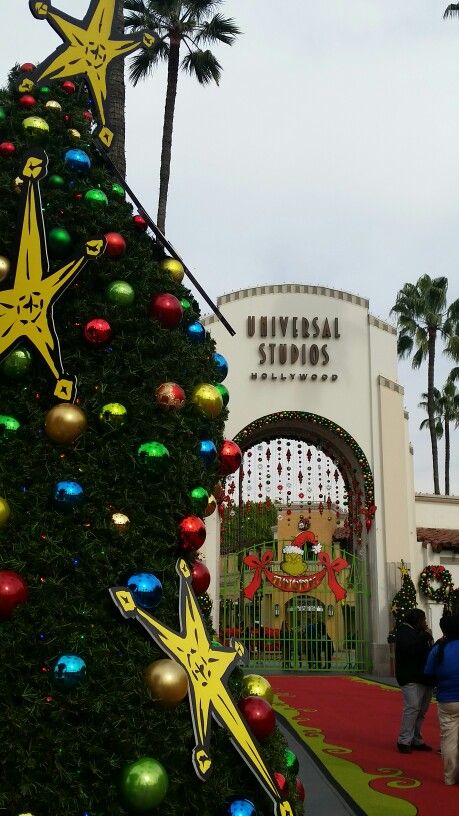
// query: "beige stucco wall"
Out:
[437,511]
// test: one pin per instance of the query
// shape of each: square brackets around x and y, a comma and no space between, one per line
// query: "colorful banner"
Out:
[299,583]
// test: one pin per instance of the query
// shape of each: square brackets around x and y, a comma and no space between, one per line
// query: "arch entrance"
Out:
[295,527]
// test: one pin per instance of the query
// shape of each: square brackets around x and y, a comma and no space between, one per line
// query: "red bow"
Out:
[259,567]
[332,567]
[437,570]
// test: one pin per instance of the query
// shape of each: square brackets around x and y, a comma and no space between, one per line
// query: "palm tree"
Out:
[446,411]
[194,25]
[452,10]
[422,315]
[116,98]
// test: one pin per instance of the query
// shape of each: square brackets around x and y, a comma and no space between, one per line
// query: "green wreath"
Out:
[437,573]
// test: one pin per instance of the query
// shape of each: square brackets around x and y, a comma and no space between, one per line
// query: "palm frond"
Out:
[418,358]
[404,345]
[204,65]
[219,28]
[451,11]
[143,61]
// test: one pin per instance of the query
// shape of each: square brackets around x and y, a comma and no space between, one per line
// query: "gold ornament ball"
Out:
[208,400]
[5,267]
[53,106]
[120,522]
[65,423]
[36,128]
[16,185]
[175,269]
[167,682]
[254,685]
[5,512]
[75,135]
[211,506]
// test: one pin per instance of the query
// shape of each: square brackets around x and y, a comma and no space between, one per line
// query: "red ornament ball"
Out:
[78,196]
[7,149]
[200,576]
[13,591]
[281,782]
[140,223]
[116,245]
[170,395]
[230,457]
[68,87]
[88,116]
[67,118]
[27,67]
[97,332]
[166,309]
[192,532]
[27,101]
[300,789]
[259,716]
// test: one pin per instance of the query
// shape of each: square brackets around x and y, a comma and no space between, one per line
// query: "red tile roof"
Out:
[439,539]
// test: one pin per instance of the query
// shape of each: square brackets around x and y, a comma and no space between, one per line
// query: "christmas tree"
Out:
[105,488]
[405,598]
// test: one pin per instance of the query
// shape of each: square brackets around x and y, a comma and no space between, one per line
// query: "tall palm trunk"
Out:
[117,101]
[431,407]
[447,454]
[166,151]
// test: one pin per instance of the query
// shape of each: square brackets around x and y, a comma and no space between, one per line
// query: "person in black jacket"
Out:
[413,642]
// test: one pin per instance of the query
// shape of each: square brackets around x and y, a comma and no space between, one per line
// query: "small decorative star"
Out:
[88,50]
[403,569]
[208,669]
[26,310]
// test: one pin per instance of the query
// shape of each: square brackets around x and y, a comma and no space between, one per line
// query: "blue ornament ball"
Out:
[146,588]
[77,161]
[69,671]
[67,495]
[207,451]
[222,366]
[241,807]
[196,332]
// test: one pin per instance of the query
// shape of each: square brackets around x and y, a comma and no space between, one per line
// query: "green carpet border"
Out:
[323,769]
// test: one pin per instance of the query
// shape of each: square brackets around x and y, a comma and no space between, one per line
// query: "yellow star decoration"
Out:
[403,568]
[26,310]
[88,51]
[208,669]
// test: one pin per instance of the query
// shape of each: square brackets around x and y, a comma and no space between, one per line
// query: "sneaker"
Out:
[421,747]
[404,749]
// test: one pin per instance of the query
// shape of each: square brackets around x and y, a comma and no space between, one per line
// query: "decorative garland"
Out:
[438,573]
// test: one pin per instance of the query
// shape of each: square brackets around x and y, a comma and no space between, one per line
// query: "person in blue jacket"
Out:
[443,666]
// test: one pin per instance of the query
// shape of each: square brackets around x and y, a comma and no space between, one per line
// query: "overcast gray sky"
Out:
[328,155]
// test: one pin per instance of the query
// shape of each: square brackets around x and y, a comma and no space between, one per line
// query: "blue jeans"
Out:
[416,700]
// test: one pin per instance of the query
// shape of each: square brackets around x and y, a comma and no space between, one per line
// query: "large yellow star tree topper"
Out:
[208,669]
[26,309]
[90,49]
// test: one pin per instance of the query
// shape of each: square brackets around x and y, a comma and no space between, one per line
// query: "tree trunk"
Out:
[168,126]
[431,407]
[117,101]
[447,455]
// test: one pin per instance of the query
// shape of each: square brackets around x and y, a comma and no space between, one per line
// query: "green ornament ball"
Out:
[96,198]
[113,414]
[186,305]
[155,455]
[224,393]
[16,364]
[8,425]
[118,190]
[291,761]
[120,293]
[59,242]
[56,181]
[143,785]
[199,499]
[44,90]
[36,128]
[2,115]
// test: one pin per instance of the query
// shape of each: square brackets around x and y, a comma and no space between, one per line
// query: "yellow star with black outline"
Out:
[26,310]
[88,51]
[208,669]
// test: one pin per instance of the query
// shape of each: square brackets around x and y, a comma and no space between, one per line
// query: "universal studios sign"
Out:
[306,343]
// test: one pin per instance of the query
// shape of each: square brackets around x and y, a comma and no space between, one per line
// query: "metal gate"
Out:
[288,619]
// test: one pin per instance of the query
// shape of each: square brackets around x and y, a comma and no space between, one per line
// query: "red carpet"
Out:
[350,727]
